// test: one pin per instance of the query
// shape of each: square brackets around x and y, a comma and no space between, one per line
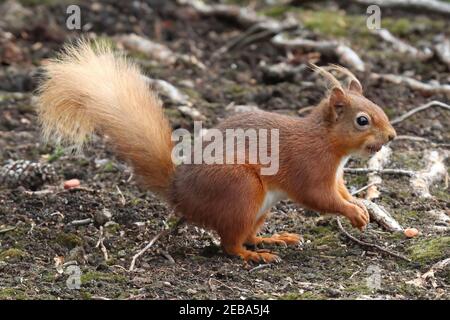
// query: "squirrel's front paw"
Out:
[361,204]
[358,217]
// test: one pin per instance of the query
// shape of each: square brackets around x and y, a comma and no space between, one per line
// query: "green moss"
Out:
[12,294]
[276,11]
[12,254]
[358,288]
[109,167]
[56,154]
[302,296]
[429,250]
[331,23]
[113,228]
[135,201]
[172,113]
[85,295]
[404,27]
[101,276]
[68,240]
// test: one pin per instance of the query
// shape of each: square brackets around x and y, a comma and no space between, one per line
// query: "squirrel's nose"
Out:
[391,135]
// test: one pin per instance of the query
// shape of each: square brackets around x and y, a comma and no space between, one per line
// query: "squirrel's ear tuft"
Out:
[337,101]
[355,86]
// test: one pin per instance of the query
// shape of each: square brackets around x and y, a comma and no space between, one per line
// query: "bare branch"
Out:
[434,171]
[403,47]
[431,88]
[381,171]
[377,162]
[153,240]
[428,5]
[367,244]
[345,54]
[430,104]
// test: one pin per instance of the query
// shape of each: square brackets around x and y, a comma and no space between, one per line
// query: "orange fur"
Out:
[91,89]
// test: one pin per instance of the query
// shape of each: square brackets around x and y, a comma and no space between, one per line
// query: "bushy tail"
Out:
[87,88]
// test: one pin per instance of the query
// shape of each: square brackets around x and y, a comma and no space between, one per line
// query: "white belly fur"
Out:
[340,169]
[270,199]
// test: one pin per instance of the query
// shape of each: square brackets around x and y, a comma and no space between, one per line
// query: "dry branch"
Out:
[434,171]
[100,243]
[421,280]
[430,104]
[377,162]
[430,88]
[403,47]
[345,54]
[401,172]
[382,217]
[367,244]
[155,51]
[185,106]
[443,51]
[243,16]
[153,240]
[428,5]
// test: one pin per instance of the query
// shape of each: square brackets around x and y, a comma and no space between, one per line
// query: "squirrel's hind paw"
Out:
[282,239]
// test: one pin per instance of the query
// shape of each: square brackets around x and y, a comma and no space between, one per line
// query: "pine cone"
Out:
[30,175]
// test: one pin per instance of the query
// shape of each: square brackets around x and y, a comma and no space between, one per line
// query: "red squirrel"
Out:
[89,87]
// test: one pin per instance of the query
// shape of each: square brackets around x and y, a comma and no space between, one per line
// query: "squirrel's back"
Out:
[89,88]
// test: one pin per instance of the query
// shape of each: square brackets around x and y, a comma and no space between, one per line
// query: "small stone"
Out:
[102,217]
[73,183]
[411,232]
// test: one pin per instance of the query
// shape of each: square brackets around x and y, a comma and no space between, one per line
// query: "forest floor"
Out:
[36,235]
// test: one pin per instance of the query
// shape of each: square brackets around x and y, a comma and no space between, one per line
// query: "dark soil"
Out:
[326,266]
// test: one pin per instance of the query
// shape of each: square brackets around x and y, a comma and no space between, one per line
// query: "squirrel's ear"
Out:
[337,102]
[355,86]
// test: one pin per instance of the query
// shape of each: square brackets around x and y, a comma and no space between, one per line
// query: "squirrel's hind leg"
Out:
[282,239]
[248,255]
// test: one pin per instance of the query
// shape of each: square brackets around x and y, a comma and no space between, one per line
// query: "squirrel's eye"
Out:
[362,121]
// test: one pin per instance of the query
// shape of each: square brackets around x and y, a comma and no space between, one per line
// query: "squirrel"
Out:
[89,87]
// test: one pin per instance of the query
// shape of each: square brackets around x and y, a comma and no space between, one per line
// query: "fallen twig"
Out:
[185,106]
[82,222]
[421,280]
[261,266]
[443,51]
[434,171]
[420,5]
[100,244]
[377,162]
[430,88]
[155,51]
[5,230]
[382,217]
[153,240]
[123,201]
[345,54]
[363,188]
[430,104]
[403,172]
[403,47]
[367,244]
